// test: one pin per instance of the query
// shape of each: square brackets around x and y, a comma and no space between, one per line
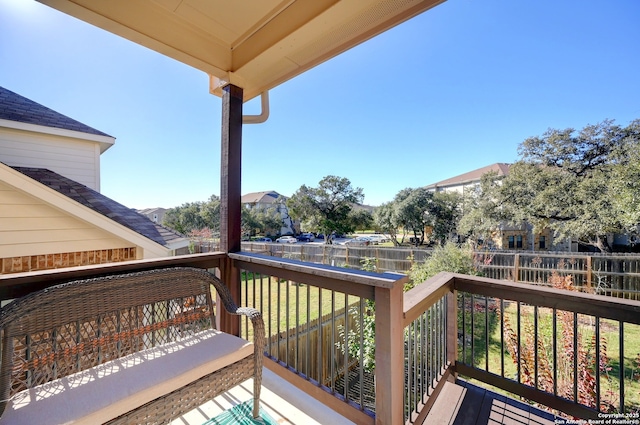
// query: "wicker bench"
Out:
[125,349]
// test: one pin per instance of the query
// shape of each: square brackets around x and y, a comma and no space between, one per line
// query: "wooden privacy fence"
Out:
[616,275]
[387,259]
[606,274]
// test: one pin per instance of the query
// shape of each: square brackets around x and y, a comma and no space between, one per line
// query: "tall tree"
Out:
[444,214]
[192,216]
[361,219]
[481,215]
[326,207]
[385,219]
[625,181]
[412,209]
[577,183]
[261,220]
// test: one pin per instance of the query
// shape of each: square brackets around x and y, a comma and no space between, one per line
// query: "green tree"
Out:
[481,215]
[326,207]
[361,219]
[580,184]
[443,215]
[412,209]
[196,216]
[385,220]
[261,220]
[625,181]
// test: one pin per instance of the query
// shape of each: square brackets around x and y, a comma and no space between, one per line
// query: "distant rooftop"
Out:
[103,205]
[501,168]
[268,196]
[14,107]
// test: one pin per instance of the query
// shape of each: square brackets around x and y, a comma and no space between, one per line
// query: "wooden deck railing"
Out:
[311,313]
[566,350]
[561,349]
[15,285]
[430,320]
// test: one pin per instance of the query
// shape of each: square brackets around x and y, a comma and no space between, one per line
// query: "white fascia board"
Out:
[105,142]
[178,243]
[33,188]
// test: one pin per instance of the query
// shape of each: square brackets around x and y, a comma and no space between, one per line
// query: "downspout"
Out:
[264,114]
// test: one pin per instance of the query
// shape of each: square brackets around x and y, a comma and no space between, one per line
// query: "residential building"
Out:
[506,236]
[52,213]
[469,180]
[154,214]
[268,199]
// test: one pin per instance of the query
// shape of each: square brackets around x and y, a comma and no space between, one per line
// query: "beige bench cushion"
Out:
[111,389]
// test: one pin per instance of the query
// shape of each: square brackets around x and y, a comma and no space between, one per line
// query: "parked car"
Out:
[306,237]
[286,239]
[262,240]
[376,239]
[359,241]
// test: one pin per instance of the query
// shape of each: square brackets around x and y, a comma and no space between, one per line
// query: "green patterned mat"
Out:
[242,414]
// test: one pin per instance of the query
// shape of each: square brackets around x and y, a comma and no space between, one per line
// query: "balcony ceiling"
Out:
[254,44]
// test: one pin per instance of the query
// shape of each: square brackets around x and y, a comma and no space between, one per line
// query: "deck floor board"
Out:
[462,403]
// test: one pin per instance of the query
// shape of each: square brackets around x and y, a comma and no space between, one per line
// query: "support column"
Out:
[230,197]
[389,385]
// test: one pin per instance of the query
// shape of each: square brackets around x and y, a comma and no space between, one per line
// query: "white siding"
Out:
[31,227]
[73,158]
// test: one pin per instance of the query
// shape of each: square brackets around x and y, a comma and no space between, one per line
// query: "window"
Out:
[511,242]
[519,241]
[542,242]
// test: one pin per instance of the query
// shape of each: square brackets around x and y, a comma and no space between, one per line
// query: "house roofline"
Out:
[105,142]
[31,187]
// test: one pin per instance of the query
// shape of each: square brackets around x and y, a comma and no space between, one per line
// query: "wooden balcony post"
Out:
[230,197]
[452,333]
[389,354]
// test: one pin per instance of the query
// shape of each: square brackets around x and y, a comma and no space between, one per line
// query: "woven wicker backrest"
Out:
[74,326]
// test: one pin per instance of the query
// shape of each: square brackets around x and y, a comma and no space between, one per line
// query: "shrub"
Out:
[447,258]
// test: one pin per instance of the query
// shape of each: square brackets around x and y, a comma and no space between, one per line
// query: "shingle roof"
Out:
[262,197]
[103,205]
[473,176]
[14,107]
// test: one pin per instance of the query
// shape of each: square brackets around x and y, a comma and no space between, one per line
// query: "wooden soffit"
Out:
[254,44]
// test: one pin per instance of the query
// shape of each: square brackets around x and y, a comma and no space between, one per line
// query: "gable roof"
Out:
[103,205]
[268,196]
[14,107]
[501,168]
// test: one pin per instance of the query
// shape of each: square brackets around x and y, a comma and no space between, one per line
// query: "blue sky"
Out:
[455,89]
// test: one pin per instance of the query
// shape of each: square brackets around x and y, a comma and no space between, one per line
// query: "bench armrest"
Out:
[258,335]
[255,316]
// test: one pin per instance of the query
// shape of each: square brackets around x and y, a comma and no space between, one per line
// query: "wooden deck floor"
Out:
[463,403]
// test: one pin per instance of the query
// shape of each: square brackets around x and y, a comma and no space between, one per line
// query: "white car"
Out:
[359,241]
[376,239]
[286,239]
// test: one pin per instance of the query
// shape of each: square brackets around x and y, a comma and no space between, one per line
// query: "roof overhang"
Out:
[104,142]
[253,44]
[41,192]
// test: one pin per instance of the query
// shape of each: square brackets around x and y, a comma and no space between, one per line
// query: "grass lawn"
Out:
[286,304]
